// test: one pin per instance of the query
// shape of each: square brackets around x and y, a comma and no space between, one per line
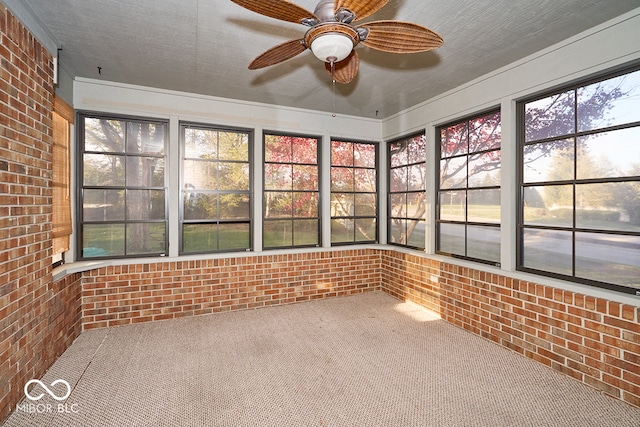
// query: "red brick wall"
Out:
[38,318]
[145,292]
[594,340]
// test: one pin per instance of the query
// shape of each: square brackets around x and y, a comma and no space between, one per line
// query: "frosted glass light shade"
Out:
[332,45]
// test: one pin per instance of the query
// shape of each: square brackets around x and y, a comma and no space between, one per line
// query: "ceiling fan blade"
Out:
[279,9]
[277,54]
[345,70]
[361,8]
[400,37]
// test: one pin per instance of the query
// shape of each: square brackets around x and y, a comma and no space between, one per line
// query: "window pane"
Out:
[200,175]
[399,205]
[453,173]
[103,170]
[453,205]
[608,206]
[200,206]
[417,177]
[145,238]
[277,149]
[609,154]
[608,258]
[364,155]
[278,177]
[278,205]
[341,153]
[145,205]
[366,229]
[103,205]
[416,205]
[399,180]
[234,236]
[549,205]
[305,205]
[484,205]
[342,179]
[484,169]
[547,250]
[100,240]
[305,232]
[199,237]
[235,206]
[620,95]
[416,234]
[342,204]
[342,230]
[104,135]
[365,205]
[278,233]
[485,133]
[398,231]
[398,154]
[417,149]
[145,138]
[452,239]
[201,143]
[141,171]
[305,177]
[233,146]
[483,243]
[365,180]
[233,176]
[304,150]
[550,117]
[549,161]
[454,140]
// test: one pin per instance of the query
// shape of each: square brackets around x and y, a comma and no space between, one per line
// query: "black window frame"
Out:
[438,158]
[81,187]
[292,218]
[390,193]
[218,221]
[354,192]
[522,143]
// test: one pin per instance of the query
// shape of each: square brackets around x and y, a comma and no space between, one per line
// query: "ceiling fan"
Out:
[332,37]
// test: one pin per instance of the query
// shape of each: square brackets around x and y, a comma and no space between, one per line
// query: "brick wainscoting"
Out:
[127,294]
[591,339]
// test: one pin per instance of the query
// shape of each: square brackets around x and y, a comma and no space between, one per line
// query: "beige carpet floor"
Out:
[364,360]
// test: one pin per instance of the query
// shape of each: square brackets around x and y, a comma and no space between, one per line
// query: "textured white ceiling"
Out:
[205,46]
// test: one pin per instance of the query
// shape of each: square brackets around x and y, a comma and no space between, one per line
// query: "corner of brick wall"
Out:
[38,318]
[593,340]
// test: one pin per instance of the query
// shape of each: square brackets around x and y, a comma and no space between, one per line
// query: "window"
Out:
[579,215]
[407,191]
[354,189]
[291,191]
[216,189]
[122,187]
[468,212]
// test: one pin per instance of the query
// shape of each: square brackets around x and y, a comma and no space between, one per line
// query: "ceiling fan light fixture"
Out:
[332,47]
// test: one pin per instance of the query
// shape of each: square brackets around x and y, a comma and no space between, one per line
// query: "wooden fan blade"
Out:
[345,70]
[279,9]
[277,54]
[361,8]
[400,37]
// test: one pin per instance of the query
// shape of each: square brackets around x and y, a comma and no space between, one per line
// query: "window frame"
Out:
[354,217]
[318,191]
[421,133]
[438,158]
[183,125]
[521,143]
[80,137]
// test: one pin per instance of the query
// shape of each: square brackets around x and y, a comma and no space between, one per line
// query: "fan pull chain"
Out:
[333,87]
